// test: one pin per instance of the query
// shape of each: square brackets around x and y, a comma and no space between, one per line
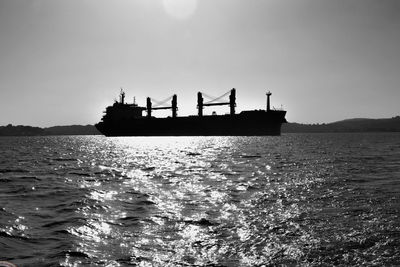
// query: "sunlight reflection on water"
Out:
[204,201]
[190,200]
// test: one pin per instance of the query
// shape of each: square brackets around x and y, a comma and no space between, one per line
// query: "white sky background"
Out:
[63,62]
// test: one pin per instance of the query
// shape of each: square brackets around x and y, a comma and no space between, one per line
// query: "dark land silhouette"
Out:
[72,130]
[21,130]
[349,125]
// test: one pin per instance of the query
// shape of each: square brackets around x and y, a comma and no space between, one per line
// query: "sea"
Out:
[330,199]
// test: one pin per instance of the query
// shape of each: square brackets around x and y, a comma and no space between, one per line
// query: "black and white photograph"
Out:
[199,133]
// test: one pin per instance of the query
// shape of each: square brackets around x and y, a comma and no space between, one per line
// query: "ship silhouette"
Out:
[124,119]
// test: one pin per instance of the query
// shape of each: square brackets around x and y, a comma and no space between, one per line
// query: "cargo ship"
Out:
[124,119]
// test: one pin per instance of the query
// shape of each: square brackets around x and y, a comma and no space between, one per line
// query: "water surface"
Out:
[297,199]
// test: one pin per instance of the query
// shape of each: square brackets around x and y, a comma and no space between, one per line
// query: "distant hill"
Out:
[350,125]
[72,130]
[20,130]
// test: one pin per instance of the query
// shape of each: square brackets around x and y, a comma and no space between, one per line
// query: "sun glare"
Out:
[180,9]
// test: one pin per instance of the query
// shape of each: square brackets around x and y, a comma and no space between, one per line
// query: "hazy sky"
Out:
[63,62]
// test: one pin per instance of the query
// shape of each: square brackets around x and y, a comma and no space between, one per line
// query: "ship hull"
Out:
[252,123]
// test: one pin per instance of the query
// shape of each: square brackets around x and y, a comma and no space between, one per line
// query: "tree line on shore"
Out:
[21,130]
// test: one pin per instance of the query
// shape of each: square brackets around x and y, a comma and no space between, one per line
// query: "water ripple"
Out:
[330,199]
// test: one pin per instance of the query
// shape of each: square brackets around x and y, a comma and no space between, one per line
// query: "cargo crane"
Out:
[174,106]
[231,103]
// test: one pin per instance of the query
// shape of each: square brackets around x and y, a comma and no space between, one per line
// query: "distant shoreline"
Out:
[350,125]
[21,130]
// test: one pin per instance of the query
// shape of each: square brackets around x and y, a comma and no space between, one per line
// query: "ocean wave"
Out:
[200,201]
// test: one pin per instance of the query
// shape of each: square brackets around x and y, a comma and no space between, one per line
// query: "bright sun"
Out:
[180,9]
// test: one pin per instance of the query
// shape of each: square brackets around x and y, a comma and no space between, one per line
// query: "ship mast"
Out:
[268,100]
[122,96]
